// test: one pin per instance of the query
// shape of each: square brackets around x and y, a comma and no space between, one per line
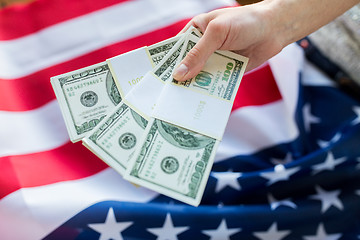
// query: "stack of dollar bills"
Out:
[156,132]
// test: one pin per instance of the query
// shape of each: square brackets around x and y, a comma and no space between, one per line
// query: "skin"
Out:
[258,31]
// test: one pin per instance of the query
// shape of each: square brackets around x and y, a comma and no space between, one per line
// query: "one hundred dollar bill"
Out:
[114,140]
[173,161]
[143,97]
[176,160]
[130,68]
[159,50]
[221,75]
[198,103]
[85,97]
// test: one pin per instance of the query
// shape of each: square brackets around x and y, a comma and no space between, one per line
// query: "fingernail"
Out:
[180,71]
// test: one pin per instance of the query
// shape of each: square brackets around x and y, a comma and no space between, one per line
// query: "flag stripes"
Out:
[44,14]
[70,39]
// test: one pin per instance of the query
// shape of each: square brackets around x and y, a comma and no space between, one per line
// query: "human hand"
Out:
[245,30]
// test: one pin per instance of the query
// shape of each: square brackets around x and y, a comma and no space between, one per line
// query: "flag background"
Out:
[287,168]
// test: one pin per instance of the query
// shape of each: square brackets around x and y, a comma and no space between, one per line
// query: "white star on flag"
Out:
[325,144]
[308,117]
[222,232]
[356,109]
[167,231]
[358,165]
[225,179]
[357,192]
[288,159]
[110,229]
[329,163]
[322,235]
[280,173]
[272,233]
[328,199]
[274,203]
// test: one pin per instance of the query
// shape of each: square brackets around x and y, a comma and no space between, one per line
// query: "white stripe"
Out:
[32,213]
[78,36]
[312,76]
[32,131]
[251,129]
[286,68]
[44,129]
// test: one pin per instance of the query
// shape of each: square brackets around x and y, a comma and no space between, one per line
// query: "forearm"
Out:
[295,19]
[258,31]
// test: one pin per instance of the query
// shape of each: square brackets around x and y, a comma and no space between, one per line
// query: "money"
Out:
[116,137]
[129,68]
[114,140]
[221,75]
[143,97]
[179,144]
[198,103]
[155,131]
[159,50]
[173,161]
[85,97]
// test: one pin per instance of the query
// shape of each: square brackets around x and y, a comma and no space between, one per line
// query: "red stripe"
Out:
[73,161]
[44,13]
[69,162]
[35,90]
[257,87]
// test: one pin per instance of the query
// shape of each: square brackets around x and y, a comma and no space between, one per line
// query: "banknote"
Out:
[199,102]
[159,50]
[148,150]
[143,97]
[85,96]
[176,160]
[173,161]
[221,75]
[130,68]
[115,138]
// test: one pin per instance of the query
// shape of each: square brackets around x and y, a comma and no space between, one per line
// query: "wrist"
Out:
[291,20]
[275,27]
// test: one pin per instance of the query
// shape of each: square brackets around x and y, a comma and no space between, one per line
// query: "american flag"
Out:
[288,167]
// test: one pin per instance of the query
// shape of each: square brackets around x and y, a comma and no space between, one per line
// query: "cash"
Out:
[85,96]
[178,147]
[115,139]
[155,131]
[173,161]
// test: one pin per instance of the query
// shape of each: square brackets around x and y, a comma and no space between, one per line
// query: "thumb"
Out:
[196,58]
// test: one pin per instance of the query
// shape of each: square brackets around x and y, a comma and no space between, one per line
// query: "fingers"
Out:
[199,21]
[195,60]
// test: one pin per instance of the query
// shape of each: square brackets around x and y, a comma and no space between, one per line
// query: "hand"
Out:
[258,31]
[244,30]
